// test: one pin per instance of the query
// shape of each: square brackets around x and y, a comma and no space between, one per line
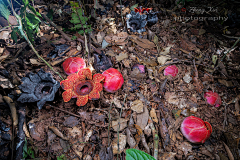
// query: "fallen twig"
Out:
[12,107]
[119,123]
[55,26]
[109,121]
[21,132]
[155,137]
[67,112]
[230,155]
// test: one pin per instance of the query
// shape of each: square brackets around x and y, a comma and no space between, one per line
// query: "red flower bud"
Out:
[213,98]
[195,129]
[171,70]
[140,67]
[73,65]
[113,80]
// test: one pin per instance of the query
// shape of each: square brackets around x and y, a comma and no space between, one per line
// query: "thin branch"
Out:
[20,28]
[109,118]
[119,123]
[55,26]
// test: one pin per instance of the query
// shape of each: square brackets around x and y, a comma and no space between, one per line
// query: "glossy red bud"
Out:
[113,80]
[73,65]
[195,129]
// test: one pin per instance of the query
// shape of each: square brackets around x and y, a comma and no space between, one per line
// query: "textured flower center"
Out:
[46,89]
[84,88]
[135,24]
[43,89]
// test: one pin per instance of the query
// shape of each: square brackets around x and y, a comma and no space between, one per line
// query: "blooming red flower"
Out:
[171,70]
[213,98]
[141,10]
[73,65]
[195,129]
[82,86]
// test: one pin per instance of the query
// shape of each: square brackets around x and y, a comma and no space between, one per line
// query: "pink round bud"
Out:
[113,80]
[195,129]
[213,98]
[73,65]
[171,70]
[140,67]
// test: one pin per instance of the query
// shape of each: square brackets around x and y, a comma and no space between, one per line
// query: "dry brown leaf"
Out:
[57,132]
[171,98]
[5,83]
[123,124]
[137,106]
[4,35]
[36,62]
[121,56]
[153,115]
[130,140]
[144,43]
[100,37]
[122,143]
[142,118]
[118,39]
[196,81]
[187,45]
[138,135]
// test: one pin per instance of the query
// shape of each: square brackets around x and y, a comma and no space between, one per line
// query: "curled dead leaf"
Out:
[144,43]
[118,39]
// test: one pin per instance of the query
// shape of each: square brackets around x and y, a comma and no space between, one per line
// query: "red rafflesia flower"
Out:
[213,98]
[82,86]
[195,129]
[141,10]
[73,65]
[171,70]
[113,80]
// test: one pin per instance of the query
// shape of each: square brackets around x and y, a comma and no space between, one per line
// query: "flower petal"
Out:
[67,95]
[86,72]
[27,98]
[28,86]
[98,78]
[94,95]
[82,100]
[97,87]
[68,83]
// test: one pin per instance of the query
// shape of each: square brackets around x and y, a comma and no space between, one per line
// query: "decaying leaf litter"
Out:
[146,113]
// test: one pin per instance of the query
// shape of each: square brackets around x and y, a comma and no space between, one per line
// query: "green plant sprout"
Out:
[30,22]
[28,26]
[4,11]
[27,151]
[79,20]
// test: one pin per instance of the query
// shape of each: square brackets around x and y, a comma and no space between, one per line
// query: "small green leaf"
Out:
[62,157]
[74,37]
[25,2]
[214,59]
[14,35]
[81,32]
[5,12]
[134,6]
[155,40]
[34,11]
[80,12]
[134,154]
